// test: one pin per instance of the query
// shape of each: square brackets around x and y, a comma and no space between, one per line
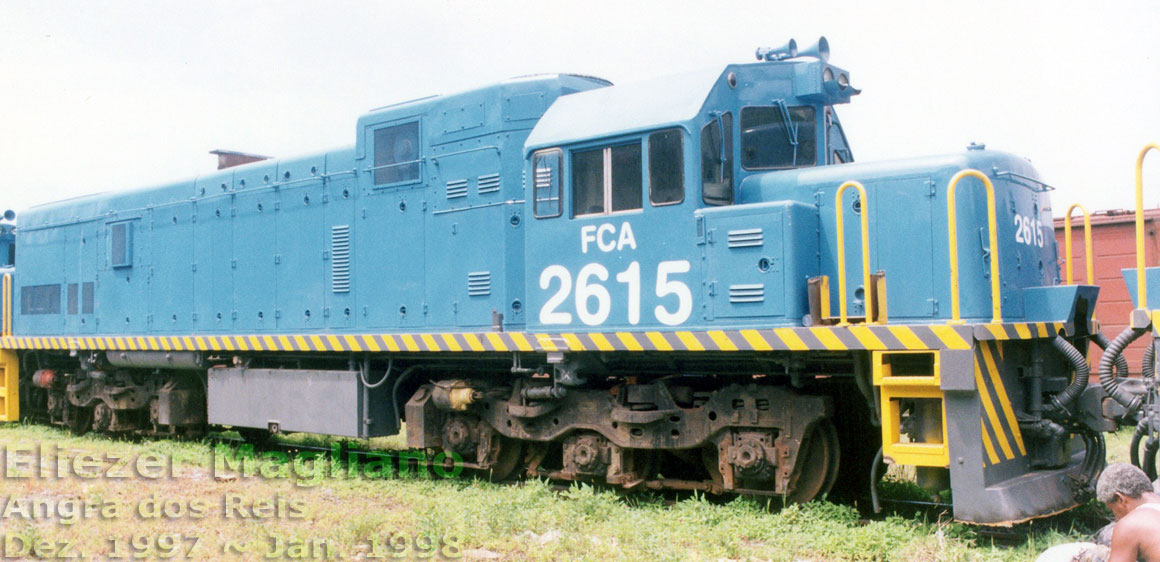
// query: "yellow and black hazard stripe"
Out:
[1020,330]
[1002,440]
[826,338]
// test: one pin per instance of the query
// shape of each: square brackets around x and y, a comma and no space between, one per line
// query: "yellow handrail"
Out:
[866,289]
[1087,243]
[1141,282]
[952,229]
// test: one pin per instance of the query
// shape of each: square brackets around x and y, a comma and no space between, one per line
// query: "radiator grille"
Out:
[747,293]
[746,238]
[340,259]
[479,283]
[489,183]
[456,189]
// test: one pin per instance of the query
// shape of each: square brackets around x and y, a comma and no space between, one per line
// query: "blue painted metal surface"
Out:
[7,244]
[908,232]
[431,221]
[1042,303]
[1152,277]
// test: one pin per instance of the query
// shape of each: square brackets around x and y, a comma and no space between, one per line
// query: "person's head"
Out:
[1119,484]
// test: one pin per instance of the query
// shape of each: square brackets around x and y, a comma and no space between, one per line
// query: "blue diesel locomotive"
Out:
[683,283]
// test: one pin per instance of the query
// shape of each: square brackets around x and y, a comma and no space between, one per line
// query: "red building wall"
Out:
[1114,246]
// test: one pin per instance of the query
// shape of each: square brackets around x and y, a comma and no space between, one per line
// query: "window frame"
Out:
[832,122]
[558,179]
[606,160]
[680,168]
[788,109]
[727,165]
[127,257]
[30,296]
[418,162]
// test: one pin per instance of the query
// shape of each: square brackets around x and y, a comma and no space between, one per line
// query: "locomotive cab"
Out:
[622,180]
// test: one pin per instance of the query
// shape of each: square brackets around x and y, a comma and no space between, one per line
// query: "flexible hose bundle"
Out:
[1147,423]
[1095,455]
[1150,448]
[1151,445]
[1121,362]
[1148,369]
[1134,446]
[1108,379]
[1082,374]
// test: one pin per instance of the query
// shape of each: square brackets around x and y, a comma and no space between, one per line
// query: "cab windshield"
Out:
[778,137]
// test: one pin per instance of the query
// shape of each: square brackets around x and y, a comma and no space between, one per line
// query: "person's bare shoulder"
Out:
[1140,530]
[1146,519]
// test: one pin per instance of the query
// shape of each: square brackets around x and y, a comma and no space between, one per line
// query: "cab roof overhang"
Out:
[624,109]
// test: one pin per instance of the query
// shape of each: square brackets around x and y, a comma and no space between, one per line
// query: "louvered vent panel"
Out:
[489,183]
[456,189]
[746,238]
[340,259]
[747,293]
[479,283]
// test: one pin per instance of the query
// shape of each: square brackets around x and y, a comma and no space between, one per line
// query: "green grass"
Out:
[532,520]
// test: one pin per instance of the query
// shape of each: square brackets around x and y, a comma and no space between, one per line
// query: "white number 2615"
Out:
[594,303]
[1028,231]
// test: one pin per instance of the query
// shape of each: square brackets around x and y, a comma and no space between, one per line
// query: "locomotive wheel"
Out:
[507,459]
[102,417]
[486,452]
[643,463]
[77,419]
[817,467]
[817,464]
[534,455]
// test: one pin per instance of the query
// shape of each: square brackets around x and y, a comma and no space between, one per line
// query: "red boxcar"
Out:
[1114,246]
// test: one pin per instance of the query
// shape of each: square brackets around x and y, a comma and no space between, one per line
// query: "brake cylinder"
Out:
[44,378]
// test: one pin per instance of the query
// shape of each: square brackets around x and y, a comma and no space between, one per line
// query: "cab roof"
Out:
[624,109]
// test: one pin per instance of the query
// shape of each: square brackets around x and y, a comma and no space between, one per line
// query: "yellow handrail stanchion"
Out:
[1087,243]
[1141,281]
[9,360]
[996,304]
[866,289]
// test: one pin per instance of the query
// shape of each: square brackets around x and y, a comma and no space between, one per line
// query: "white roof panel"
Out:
[627,108]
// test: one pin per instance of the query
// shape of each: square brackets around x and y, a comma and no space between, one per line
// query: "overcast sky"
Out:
[105,96]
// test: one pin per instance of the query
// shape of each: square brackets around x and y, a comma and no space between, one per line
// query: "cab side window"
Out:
[717,161]
[836,139]
[121,244]
[546,183]
[607,180]
[397,154]
[627,183]
[588,182]
[666,168]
